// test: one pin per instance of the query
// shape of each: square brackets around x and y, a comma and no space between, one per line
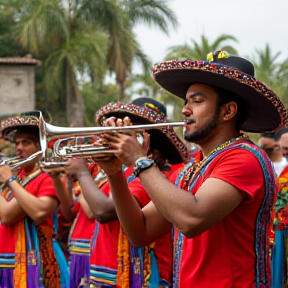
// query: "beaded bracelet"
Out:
[10,180]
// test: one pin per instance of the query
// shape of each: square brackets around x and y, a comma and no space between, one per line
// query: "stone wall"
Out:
[17,85]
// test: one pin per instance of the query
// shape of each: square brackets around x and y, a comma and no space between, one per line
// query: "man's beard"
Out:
[204,132]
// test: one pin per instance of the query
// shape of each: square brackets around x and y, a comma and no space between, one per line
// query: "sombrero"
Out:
[265,111]
[27,121]
[150,103]
[165,140]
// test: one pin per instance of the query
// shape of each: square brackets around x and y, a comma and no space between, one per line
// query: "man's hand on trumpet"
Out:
[5,173]
[125,143]
[76,167]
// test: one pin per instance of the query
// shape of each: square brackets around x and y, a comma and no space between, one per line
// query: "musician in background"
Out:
[75,208]
[269,142]
[159,107]
[284,141]
[114,262]
[28,254]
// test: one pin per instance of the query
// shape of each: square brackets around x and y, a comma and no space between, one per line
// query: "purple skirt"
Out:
[79,269]
[6,278]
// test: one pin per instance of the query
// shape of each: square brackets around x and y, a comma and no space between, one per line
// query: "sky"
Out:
[253,22]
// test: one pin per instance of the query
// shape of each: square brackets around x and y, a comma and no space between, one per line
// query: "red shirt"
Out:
[105,251]
[174,169]
[223,256]
[41,186]
[84,227]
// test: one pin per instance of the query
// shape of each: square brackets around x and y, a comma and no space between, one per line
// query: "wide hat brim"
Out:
[164,140]
[9,124]
[265,111]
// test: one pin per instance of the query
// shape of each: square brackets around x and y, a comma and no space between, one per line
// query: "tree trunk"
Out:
[121,90]
[75,106]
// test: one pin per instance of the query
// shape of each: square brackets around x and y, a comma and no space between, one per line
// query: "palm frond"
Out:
[150,12]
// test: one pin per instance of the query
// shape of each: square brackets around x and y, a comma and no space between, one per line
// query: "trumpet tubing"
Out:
[54,131]
[50,132]
[16,162]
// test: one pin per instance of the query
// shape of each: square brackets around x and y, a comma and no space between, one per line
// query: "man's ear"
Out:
[229,110]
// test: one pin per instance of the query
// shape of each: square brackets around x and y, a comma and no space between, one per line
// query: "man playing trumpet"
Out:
[114,262]
[220,204]
[27,203]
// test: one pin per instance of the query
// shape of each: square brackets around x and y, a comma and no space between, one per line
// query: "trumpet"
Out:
[16,162]
[60,153]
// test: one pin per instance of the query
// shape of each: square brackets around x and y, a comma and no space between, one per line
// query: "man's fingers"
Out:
[146,142]
[111,137]
[119,122]
[111,121]
[127,121]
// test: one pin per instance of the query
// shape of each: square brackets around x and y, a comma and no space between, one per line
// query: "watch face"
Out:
[141,165]
[144,163]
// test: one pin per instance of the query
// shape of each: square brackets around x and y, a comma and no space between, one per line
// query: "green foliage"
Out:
[9,46]
[95,96]
[271,71]
[150,12]
[199,51]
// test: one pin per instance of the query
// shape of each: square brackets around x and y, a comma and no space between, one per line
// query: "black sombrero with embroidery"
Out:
[265,111]
[164,140]
[27,122]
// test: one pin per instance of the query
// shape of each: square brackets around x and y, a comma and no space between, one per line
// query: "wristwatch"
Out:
[142,164]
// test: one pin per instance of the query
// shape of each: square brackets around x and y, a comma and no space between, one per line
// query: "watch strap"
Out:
[11,179]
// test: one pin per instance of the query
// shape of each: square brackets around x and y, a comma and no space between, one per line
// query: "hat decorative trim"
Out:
[221,70]
[15,122]
[217,69]
[146,114]
[151,106]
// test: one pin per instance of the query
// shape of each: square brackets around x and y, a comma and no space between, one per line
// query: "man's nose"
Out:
[19,147]
[186,111]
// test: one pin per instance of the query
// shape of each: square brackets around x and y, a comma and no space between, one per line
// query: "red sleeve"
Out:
[241,169]
[135,188]
[105,188]
[47,188]
[42,186]
[76,207]
[138,192]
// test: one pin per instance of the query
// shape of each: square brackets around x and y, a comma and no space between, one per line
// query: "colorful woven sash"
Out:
[35,263]
[137,266]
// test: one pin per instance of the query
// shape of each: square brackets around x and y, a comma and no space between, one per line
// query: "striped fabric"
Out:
[79,246]
[98,274]
[7,261]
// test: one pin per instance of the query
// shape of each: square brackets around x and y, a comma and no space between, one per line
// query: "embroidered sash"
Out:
[32,257]
[137,266]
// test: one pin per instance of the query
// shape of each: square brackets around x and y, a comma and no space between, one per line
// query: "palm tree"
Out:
[266,66]
[200,50]
[71,38]
[95,96]
[9,46]
[124,48]
[150,12]
[270,70]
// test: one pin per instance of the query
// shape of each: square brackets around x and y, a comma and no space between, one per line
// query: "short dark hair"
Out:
[282,131]
[226,96]
[268,135]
